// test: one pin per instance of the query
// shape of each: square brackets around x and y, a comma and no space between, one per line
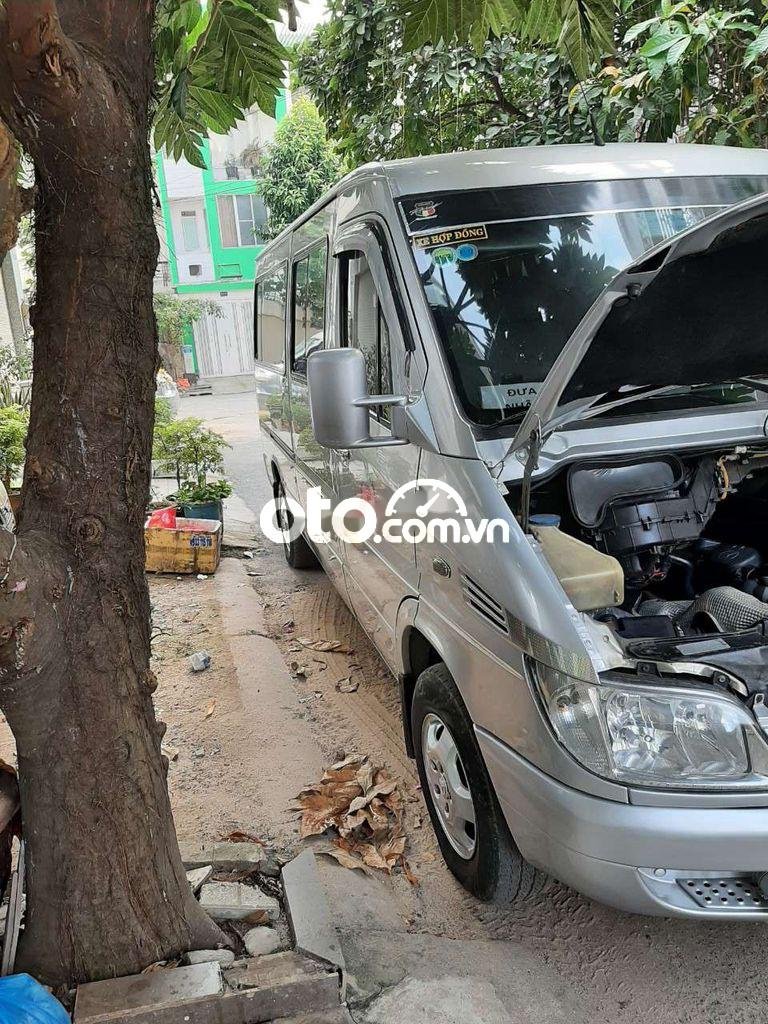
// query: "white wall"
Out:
[182,179]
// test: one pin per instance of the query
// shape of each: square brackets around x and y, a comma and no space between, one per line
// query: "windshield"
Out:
[509,273]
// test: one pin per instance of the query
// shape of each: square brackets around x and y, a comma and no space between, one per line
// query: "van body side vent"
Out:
[484,605]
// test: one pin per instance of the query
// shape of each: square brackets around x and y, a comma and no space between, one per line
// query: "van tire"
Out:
[496,872]
[298,553]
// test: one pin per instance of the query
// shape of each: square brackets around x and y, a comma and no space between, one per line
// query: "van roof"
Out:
[537,165]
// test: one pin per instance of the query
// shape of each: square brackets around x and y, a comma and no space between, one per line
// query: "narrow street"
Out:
[250,731]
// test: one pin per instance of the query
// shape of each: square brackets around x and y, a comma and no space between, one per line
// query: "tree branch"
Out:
[39,66]
[501,99]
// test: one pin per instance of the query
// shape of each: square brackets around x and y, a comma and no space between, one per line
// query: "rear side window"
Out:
[271,305]
[308,306]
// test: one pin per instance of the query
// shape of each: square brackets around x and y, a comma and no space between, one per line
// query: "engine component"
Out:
[640,511]
[724,565]
[724,609]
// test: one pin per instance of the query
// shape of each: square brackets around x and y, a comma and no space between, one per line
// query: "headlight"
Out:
[649,736]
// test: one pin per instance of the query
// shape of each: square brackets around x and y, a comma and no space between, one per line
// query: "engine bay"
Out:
[689,533]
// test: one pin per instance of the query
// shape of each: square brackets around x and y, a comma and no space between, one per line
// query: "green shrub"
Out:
[14,423]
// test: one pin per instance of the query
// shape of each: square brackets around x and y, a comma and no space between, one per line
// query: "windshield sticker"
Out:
[451,237]
[466,252]
[426,209]
[444,255]
[509,396]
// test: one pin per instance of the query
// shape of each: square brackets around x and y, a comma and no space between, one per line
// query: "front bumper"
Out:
[645,860]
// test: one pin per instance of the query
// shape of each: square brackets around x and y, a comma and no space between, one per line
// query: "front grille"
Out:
[484,605]
[716,893]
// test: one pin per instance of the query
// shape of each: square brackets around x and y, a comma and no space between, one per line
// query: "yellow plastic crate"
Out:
[193,547]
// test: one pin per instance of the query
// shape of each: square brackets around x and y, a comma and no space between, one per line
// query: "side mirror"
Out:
[339,401]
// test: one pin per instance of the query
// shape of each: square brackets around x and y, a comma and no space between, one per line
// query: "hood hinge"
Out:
[532,450]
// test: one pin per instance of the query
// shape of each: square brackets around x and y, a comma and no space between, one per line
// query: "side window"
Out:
[271,303]
[308,306]
[366,327]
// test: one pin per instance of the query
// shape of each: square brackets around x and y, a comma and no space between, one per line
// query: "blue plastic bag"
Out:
[24,1001]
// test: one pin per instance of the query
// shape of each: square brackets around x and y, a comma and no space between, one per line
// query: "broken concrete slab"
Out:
[177,987]
[233,901]
[224,957]
[492,971]
[450,1000]
[223,856]
[260,941]
[309,914]
[197,877]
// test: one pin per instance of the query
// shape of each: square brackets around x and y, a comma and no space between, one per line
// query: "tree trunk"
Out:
[107,893]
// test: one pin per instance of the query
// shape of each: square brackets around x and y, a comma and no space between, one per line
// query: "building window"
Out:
[195,269]
[189,232]
[241,220]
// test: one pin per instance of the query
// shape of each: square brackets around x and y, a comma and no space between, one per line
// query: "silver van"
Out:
[518,412]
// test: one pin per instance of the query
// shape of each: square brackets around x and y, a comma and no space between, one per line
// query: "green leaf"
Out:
[587,32]
[756,48]
[638,29]
[678,48]
[429,21]
[658,43]
[253,60]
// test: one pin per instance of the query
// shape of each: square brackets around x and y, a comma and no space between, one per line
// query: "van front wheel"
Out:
[298,553]
[470,827]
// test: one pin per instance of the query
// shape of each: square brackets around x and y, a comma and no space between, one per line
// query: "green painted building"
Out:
[211,234]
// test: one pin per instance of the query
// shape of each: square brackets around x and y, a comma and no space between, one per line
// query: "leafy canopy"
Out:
[300,165]
[217,59]
[382,102]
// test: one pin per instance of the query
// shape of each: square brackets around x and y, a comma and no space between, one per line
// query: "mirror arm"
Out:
[379,442]
[371,401]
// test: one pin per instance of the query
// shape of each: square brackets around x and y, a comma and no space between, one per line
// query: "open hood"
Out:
[694,310]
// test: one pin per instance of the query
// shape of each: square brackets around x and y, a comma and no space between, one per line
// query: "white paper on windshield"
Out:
[509,396]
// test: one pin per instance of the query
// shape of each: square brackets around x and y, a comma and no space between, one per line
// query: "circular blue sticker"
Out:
[466,251]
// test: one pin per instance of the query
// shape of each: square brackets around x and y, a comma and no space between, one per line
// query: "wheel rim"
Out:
[448,786]
[283,517]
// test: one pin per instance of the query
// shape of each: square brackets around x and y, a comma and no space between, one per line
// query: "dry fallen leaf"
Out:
[408,873]
[172,753]
[332,646]
[210,709]
[239,836]
[347,685]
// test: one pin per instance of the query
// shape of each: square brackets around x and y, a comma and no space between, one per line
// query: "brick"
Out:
[108,1000]
[233,901]
[223,856]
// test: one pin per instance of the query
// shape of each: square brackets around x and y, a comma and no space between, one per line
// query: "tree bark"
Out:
[106,891]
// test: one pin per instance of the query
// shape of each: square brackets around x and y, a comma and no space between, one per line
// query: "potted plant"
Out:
[191,452]
[14,423]
[203,501]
